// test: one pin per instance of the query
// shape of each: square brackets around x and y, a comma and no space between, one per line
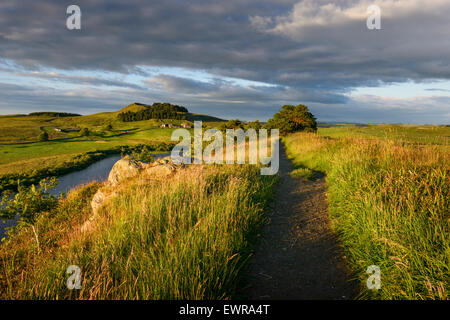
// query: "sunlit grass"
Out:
[182,238]
[389,204]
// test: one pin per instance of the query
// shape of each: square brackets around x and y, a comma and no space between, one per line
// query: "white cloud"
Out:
[329,14]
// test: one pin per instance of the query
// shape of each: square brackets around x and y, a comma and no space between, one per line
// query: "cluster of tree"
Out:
[238,124]
[289,119]
[155,111]
[54,114]
[292,119]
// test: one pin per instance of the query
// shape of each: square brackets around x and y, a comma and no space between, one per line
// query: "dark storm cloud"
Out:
[305,44]
[311,51]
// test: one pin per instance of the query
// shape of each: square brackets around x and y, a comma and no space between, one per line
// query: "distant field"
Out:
[22,129]
[29,156]
[439,135]
[20,150]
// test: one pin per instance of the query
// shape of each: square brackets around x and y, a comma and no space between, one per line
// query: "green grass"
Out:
[188,237]
[388,202]
[65,150]
[438,135]
[21,152]
[304,173]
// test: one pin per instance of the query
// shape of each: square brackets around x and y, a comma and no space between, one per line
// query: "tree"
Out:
[292,119]
[254,125]
[43,136]
[28,203]
[109,127]
[84,132]
[155,111]
[234,124]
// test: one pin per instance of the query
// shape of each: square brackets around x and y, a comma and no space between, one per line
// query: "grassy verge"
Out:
[389,204]
[187,237]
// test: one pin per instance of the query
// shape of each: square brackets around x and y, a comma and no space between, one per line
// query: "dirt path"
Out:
[298,256]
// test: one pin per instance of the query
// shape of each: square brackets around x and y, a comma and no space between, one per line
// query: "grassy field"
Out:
[182,238]
[388,190]
[437,135]
[21,151]
[23,156]
[190,236]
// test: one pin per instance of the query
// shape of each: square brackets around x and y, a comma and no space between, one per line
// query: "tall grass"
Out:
[186,237]
[390,205]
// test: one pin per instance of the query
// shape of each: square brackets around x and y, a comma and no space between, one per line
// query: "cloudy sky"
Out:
[230,58]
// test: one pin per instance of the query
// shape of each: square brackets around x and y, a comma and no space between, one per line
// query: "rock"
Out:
[158,162]
[99,199]
[123,169]
[162,170]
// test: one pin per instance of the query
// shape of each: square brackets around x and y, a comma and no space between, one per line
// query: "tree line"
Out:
[155,111]
[54,114]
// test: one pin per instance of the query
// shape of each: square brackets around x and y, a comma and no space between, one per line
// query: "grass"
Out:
[182,238]
[407,134]
[304,173]
[388,201]
[22,155]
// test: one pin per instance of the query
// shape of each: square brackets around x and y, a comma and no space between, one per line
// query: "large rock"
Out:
[124,169]
[163,170]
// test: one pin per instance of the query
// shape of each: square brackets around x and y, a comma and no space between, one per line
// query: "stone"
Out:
[99,199]
[162,170]
[124,169]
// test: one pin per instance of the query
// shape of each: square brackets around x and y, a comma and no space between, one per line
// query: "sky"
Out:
[230,58]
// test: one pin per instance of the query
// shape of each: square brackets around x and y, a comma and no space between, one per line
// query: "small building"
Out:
[186,125]
[164,125]
[58,130]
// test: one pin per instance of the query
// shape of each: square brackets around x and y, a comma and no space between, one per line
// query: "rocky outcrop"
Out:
[162,168]
[99,199]
[125,169]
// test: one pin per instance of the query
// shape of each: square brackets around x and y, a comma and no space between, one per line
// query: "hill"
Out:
[140,111]
[23,156]
[26,128]
[134,107]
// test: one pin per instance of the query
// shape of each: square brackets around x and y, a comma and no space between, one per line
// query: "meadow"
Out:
[24,157]
[388,192]
[191,236]
[187,237]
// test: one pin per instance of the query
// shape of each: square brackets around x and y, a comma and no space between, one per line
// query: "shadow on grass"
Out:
[306,173]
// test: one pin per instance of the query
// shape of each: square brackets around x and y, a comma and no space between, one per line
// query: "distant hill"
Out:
[202,117]
[140,111]
[134,107]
